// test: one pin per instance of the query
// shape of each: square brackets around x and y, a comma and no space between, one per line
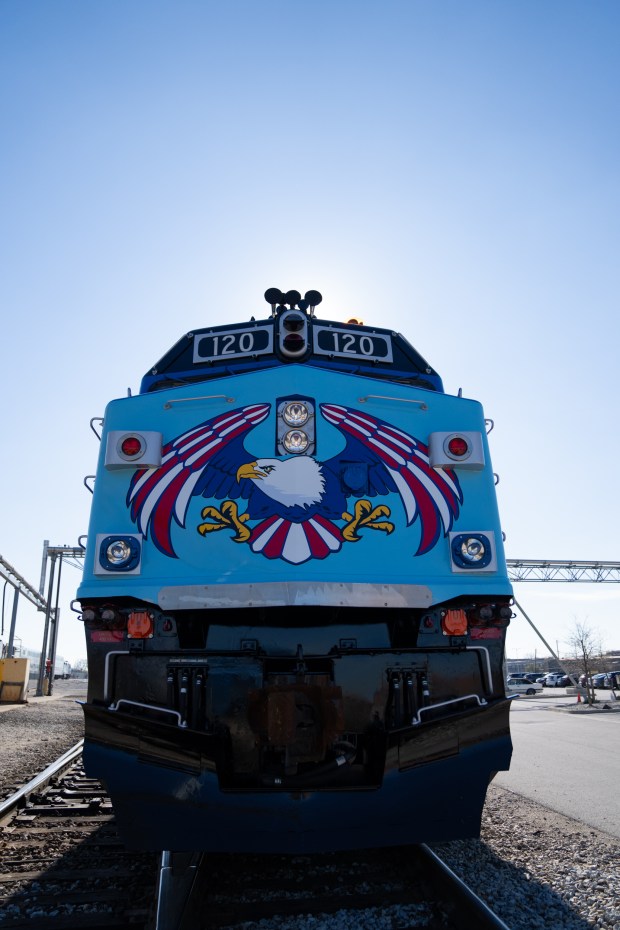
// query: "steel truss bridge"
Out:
[539,570]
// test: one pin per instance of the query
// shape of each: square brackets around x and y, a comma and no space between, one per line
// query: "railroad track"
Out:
[63,867]
[403,887]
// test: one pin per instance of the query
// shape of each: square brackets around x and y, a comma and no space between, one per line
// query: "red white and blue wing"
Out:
[157,496]
[427,494]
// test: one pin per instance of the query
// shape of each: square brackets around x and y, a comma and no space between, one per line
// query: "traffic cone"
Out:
[578,697]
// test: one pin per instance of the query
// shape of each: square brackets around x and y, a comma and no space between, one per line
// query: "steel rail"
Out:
[472,910]
[42,779]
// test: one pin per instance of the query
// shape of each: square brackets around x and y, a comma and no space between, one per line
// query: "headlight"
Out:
[293,333]
[472,551]
[295,426]
[118,554]
[295,441]
[295,413]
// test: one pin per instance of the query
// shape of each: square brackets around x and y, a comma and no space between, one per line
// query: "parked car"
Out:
[522,686]
[533,676]
[606,679]
[552,681]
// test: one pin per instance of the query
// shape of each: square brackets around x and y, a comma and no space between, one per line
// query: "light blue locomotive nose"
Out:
[294,582]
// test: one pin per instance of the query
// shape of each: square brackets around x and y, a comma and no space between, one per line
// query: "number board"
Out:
[224,344]
[347,343]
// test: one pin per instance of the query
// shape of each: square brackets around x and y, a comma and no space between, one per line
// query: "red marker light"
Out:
[457,446]
[131,446]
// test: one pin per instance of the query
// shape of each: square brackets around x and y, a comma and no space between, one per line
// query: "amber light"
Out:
[140,624]
[454,623]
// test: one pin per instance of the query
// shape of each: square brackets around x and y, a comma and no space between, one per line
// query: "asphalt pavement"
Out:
[567,756]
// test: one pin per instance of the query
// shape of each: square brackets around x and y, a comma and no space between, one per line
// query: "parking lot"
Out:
[555,742]
[565,698]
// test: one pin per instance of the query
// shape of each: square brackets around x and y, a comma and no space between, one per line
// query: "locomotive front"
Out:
[295,595]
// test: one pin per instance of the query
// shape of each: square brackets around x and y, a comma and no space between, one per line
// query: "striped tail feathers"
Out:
[157,496]
[434,497]
[280,538]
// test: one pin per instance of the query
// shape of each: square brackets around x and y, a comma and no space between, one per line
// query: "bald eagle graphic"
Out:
[298,507]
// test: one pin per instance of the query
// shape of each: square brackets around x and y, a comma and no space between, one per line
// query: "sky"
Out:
[448,169]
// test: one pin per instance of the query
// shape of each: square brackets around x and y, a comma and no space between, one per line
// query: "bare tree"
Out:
[586,648]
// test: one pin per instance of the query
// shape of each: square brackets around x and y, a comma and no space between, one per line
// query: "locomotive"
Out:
[295,596]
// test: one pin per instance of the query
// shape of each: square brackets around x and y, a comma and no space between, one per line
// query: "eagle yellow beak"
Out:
[249,470]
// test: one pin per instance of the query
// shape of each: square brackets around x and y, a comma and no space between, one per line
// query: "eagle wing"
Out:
[204,460]
[388,459]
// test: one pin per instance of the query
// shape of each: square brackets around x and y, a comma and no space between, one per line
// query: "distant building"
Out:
[62,668]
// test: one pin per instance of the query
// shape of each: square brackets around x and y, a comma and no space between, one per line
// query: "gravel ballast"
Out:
[34,734]
[537,869]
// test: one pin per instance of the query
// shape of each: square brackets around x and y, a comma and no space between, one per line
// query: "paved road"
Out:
[568,762]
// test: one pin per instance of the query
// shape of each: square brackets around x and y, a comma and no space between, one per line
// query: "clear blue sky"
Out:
[449,169]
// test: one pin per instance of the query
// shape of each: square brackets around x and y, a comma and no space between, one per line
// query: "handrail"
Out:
[96,420]
[488,669]
[466,697]
[185,400]
[405,400]
[160,710]
[106,670]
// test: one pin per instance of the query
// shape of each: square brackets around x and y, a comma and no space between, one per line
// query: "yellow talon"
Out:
[365,515]
[384,525]
[228,516]
[205,528]
[349,533]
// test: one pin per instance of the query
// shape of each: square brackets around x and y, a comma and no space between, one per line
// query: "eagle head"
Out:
[296,481]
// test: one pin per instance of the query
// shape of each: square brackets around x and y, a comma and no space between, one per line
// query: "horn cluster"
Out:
[280,299]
